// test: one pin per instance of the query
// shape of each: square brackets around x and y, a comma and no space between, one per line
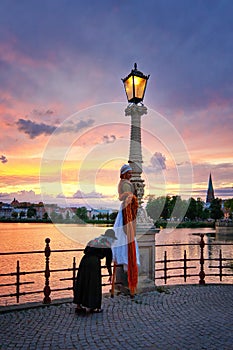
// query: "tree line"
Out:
[173,207]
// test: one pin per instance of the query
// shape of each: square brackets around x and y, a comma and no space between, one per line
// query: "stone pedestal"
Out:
[145,234]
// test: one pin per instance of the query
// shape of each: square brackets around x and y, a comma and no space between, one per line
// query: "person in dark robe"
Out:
[88,289]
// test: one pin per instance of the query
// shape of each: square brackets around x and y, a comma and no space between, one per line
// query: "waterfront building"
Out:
[5,210]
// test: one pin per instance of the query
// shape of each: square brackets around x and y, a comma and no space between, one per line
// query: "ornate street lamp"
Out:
[135,85]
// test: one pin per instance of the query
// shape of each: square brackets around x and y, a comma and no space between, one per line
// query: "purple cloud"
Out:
[188,53]
[80,194]
[40,113]
[109,139]
[3,159]
[75,127]
[34,129]
[157,163]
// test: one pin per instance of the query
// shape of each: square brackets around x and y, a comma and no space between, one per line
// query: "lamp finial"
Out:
[135,66]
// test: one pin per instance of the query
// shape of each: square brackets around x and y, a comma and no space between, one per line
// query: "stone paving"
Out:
[177,318]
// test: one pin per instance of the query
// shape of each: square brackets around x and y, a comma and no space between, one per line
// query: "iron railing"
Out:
[47,273]
[163,269]
[167,265]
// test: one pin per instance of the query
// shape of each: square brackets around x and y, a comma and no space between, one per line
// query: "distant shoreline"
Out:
[40,221]
[160,224]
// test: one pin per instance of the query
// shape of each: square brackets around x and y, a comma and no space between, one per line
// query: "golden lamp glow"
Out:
[135,85]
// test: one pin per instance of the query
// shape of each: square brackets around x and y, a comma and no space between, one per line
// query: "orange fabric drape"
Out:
[129,217]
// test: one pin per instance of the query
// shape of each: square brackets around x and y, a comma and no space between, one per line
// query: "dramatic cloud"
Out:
[21,196]
[76,127]
[80,194]
[221,172]
[3,159]
[34,129]
[5,196]
[109,139]
[157,163]
[40,113]
[50,72]
[223,193]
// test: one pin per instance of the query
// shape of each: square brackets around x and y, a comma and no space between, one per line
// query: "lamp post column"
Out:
[135,153]
[145,230]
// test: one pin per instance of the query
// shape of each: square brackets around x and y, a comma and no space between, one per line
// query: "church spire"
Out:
[210,191]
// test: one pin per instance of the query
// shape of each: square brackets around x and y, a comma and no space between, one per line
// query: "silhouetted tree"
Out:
[192,209]
[45,216]
[81,213]
[199,208]
[215,209]
[67,216]
[155,207]
[31,212]
[113,216]
[22,214]
[228,205]
[14,215]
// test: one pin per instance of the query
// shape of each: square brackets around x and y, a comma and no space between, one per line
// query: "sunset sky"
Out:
[64,133]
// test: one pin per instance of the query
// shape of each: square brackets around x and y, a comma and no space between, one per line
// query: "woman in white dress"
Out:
[125,229]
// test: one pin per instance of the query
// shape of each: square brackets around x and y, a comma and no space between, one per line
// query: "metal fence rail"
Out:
[166,267]
[47,273]
[163,268]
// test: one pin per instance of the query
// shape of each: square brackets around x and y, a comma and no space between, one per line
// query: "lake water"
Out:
[31,237]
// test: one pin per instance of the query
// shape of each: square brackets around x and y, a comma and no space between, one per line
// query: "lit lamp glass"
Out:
[135,85]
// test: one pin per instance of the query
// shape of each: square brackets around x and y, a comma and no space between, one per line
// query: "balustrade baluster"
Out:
[74,272]
[185,265]
[202,261]
[220,264]
[165,267]
[47,290]
[17,281]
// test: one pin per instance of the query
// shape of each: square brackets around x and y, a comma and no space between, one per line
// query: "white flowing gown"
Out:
[120,246]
